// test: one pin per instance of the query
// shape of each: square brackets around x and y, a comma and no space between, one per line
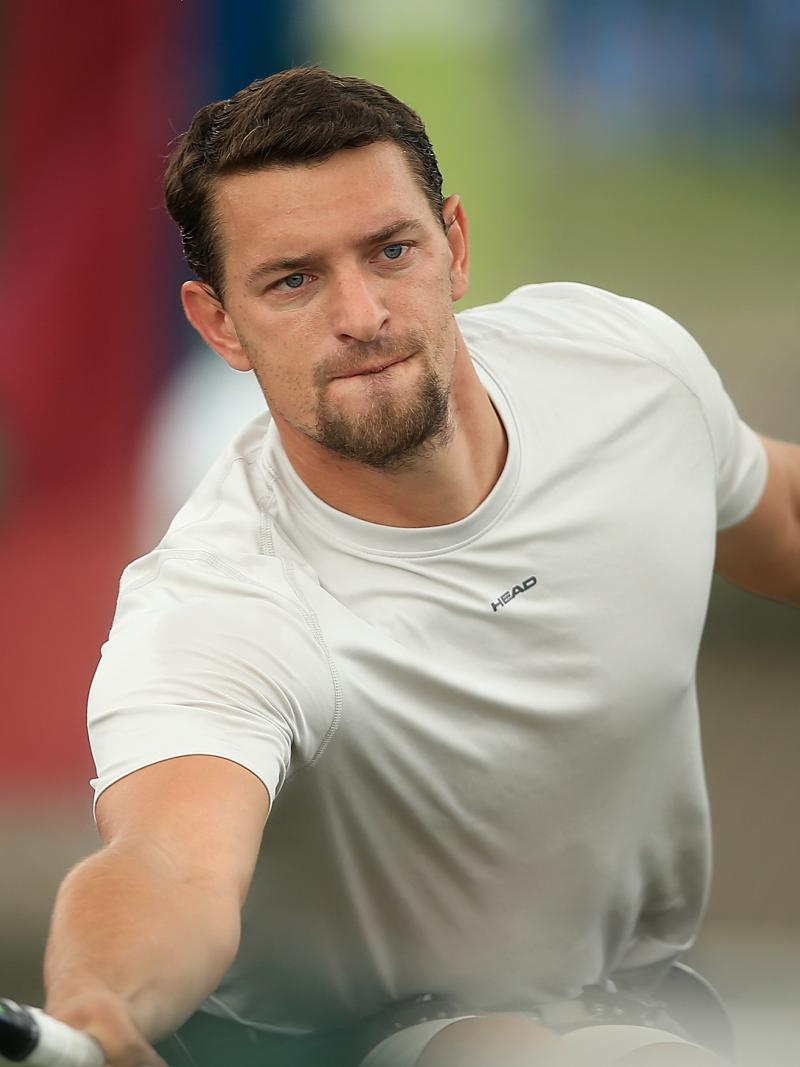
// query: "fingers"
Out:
[105,1017]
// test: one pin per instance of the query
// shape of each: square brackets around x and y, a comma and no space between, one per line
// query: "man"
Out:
[438,610]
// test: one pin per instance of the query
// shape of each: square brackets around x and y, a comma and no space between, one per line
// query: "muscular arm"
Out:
[143,931]
[762,554]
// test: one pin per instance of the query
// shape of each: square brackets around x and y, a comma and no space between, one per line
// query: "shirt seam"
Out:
[249,459]
[425,554]
[589,339]
[310,619]
[198,555]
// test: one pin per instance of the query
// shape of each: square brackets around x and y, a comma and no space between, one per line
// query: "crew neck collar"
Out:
[378,539]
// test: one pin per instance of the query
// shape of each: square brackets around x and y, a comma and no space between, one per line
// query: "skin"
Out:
[762,554]
[356,308]
[143,930]
[352,309]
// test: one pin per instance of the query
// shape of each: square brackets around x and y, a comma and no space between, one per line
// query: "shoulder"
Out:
[224,512]
[548,308]
[574,318]
[573,310]
[201,645]
[213,586]
[214,647]
[175,603]
[595,336]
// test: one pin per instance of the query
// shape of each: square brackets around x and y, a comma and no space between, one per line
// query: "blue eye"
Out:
[294,281]
[393,251]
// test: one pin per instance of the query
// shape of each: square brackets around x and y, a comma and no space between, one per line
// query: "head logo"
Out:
[508,596]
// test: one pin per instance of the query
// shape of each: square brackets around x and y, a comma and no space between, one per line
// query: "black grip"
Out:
[19,1031]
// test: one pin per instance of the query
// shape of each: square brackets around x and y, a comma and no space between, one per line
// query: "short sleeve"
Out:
[739,456]
[201,662]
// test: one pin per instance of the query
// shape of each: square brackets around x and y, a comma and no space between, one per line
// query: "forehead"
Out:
[287,209]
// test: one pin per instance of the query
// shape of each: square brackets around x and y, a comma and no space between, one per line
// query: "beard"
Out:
[392,433]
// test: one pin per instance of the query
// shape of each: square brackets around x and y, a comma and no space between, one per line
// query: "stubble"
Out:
[391,433]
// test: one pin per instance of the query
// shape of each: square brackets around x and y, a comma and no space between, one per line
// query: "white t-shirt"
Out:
[481,739]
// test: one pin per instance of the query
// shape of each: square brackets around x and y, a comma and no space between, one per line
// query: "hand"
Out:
[104,1015]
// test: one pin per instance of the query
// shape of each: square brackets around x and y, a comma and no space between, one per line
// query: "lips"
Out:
[374,368]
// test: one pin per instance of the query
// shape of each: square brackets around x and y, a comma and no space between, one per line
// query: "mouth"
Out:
[374,368]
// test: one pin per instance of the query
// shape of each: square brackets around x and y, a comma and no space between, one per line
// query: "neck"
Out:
[443,486]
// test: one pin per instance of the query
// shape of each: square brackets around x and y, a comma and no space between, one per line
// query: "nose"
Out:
[357,309]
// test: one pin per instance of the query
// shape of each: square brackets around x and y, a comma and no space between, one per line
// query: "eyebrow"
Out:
[297,263]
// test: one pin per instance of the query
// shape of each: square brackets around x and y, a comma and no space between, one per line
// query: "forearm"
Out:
[762,553]
[784,460]
[125,920]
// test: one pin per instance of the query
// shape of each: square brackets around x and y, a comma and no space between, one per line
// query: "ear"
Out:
[205,312]
[458,239]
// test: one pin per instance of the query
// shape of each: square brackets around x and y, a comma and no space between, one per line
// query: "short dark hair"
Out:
[303,115]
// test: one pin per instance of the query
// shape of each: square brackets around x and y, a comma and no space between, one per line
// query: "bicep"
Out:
[762,553]
[202,816]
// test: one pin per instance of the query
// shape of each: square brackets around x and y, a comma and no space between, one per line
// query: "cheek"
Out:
[281,365]
[284,372]
[276,344]
[429,302]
